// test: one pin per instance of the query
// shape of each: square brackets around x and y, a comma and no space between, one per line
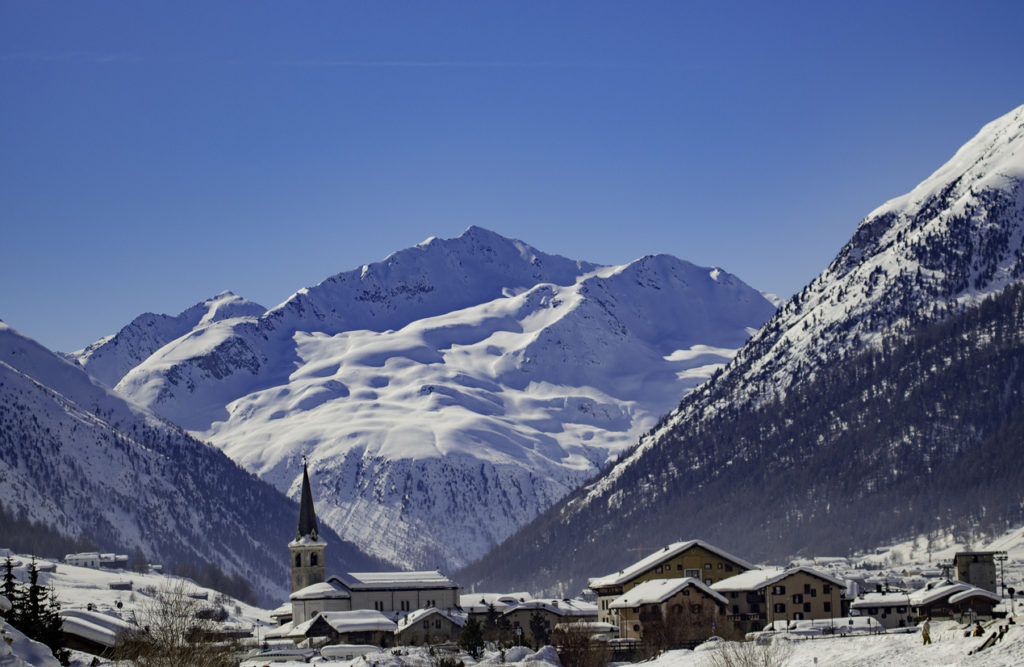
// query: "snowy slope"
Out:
[954,239]
[109,358]
[451,392]
[81,459]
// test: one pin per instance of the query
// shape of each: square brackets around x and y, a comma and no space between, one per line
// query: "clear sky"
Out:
[153,154]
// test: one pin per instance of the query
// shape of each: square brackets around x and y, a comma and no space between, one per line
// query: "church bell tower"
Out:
[307,549]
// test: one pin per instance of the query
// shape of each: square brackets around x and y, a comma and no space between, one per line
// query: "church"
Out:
[374,602]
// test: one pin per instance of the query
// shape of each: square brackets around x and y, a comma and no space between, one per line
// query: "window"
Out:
[807,588]
[826,589]
[312,560]
[692,573]
[828,606]
[719,566]
[728,568]
[686,591]
[707,581]
[298,560]
[779,608]
[807,606]
[695,608]
[437,623]
[636,628]
[707,566]
[900,610]
[658,570]
[735,609]
[797,598]
[797,616]
[814,592]
[778,590]
[679,566]
[426,625]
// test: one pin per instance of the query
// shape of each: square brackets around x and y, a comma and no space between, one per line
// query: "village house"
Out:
[673,613]
[953,599]
[428,626]
[695,558]
[890,608]
[549,613]
[97,560]
[362,626]
[760,597]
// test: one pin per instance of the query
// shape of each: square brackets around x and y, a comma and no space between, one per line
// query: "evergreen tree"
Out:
[471,639]
[35,611]
[11,591]
[540,629]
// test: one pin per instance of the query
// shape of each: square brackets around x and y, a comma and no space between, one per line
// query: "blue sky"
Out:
[153,154]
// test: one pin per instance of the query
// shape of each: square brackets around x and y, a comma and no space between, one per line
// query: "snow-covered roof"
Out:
[974,592]
[280,632]
[660,556]
[558,607]
[587,626]
[881,600]
[956,590]
[478,602]
[358,620]
[657,591]
[284,610]
[394,580]
[97,627]
[325,590]
[418,615]
[753,580]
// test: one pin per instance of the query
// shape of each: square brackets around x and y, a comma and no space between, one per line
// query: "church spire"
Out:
[307,513]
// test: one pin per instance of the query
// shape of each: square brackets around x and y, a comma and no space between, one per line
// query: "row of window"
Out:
[813,592]
[780,607]
[695,573]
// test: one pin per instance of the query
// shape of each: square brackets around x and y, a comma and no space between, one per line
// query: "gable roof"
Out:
[659,557]
[418,615]
[956,590]
[754,580]
[656,591]
[557,607]
[359,620]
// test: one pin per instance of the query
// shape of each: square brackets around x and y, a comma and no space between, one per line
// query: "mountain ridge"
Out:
[524,372]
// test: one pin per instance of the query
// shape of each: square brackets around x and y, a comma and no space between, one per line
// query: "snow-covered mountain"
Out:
[109,358]
[80,459]
[451,392]
[830,408]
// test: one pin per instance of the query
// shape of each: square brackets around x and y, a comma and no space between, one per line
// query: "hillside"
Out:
[81,460]
[451,392]
[882,400]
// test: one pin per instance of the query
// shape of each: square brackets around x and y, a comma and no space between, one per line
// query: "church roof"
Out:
[307,513]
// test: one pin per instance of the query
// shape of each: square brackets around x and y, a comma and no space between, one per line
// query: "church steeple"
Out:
[307,549]
[307,513]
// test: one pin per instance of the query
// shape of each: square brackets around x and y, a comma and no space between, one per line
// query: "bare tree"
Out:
[175,633]
[748,654]
[577,649]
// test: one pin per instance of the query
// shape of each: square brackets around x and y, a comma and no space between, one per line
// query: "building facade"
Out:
[760,597]
[696,559]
